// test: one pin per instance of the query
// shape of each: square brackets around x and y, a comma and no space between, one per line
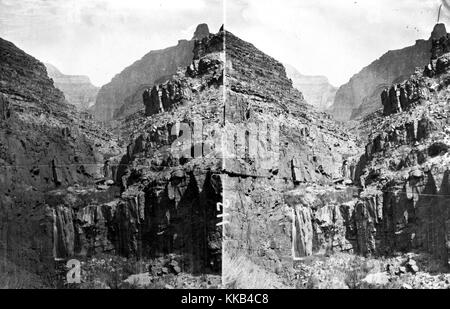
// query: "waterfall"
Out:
[302,239]
[138,210]
[55,236]
[294,234]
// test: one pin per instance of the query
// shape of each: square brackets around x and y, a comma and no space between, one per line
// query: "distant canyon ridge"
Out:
[78,89]
[361,95]
[123,95]
[317,90]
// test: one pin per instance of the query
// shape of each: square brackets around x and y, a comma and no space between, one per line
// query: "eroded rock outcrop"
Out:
[322,220]
[401,97]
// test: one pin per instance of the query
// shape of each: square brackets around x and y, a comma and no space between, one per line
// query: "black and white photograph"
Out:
[224,145]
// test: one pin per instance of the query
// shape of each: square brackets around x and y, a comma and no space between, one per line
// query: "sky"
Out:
[335,38]
[99,38]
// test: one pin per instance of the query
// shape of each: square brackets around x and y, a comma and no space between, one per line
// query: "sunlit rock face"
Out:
[360,96]
[123,95]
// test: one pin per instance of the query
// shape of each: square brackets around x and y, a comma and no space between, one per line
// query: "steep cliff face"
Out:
[123,95]
[77,89]
[274,141]
[44,144]
[360,96]
[316,90]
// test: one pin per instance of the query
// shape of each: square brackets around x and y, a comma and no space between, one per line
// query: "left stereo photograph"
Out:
[116,186]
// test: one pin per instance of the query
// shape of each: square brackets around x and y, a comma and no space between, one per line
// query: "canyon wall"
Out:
[68,190]
[226,154]
[299,186]
[182,185]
